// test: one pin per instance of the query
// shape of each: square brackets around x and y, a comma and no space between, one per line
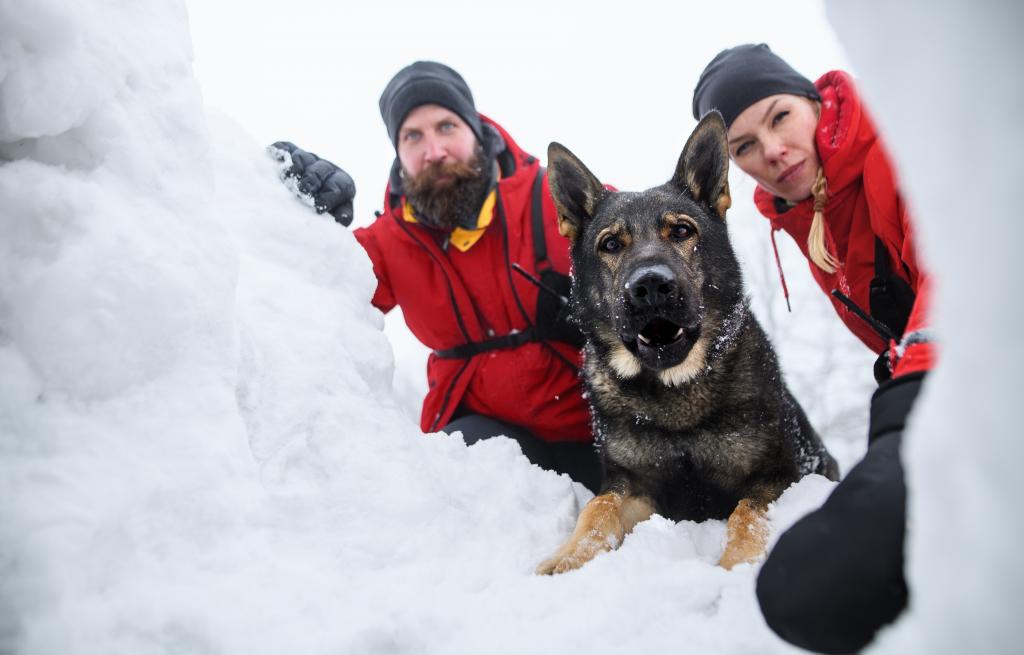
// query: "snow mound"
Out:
[200,448]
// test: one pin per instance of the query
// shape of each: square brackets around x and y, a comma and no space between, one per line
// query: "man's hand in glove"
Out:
[317,182]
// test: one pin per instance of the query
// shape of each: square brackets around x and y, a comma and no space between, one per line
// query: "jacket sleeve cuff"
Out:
[917,358]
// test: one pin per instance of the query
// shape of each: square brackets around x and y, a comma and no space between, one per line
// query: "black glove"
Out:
[318,181]
[891,403]
[835,577]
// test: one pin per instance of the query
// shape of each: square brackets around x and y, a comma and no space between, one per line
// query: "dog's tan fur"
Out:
[608,518]
[746,534]
[602,525]
[689,368]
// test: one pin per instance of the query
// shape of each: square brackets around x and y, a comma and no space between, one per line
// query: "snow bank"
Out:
[200,449]
[949,101]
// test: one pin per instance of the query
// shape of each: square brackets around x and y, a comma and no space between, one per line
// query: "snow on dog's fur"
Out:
[692,415]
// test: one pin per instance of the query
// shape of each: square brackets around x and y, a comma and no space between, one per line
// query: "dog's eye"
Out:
[611,244]
[680,232]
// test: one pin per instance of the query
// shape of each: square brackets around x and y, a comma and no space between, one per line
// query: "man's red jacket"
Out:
[863,202]
[450,297]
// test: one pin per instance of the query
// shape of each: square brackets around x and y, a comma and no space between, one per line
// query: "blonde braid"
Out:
[816,248]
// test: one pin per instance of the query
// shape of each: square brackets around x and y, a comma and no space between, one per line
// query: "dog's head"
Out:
[654,276]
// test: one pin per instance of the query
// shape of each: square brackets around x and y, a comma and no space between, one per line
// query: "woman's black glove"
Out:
[891,403]
[835,577]
[316,181]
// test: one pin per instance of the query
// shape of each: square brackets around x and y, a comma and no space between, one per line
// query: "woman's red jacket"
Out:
[863,202]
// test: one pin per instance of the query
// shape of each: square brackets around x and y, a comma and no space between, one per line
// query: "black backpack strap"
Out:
[882,267]
[467,350]
[552,313]
[892,299]
[540,246]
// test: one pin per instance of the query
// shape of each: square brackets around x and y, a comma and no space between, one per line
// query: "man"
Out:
[464,204]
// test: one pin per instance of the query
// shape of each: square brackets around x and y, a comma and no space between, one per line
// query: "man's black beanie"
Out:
[738,77]
[426,82]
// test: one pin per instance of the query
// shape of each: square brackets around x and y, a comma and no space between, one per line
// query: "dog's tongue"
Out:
[660,332]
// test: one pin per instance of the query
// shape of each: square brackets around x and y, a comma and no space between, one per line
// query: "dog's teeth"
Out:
[678,334]
[644,340]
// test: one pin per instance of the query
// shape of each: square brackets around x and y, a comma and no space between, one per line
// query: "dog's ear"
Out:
[575,189]
[703,168]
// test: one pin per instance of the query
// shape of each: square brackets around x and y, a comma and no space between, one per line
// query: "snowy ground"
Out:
[201,445]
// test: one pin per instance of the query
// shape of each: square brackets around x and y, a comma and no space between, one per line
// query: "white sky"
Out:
[613,86]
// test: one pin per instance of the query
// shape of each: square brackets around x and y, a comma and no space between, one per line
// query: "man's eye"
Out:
[779,117]
[611,244]
[680,232]
[447,126]
[411,137]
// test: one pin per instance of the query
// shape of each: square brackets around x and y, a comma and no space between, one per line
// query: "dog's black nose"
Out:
[651,285]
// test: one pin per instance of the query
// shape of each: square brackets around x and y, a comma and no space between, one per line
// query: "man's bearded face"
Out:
[446,194]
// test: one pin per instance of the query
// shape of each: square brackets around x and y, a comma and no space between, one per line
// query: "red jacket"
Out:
[863,202]
[450,297]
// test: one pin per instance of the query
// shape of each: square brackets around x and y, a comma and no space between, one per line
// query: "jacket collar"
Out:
[463,238]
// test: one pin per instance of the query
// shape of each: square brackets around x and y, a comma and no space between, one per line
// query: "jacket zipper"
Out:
[458,318]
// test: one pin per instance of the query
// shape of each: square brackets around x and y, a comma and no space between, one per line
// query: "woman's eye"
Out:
[447,126]
[779,117]
[611,244]
[744,148]
[680,232]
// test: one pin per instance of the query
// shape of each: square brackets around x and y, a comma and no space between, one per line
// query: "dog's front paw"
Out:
[746,535]
[746,553]
[558,564]
[602,525]
[576,553]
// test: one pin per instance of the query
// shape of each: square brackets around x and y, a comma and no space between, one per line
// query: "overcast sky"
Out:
[613,86]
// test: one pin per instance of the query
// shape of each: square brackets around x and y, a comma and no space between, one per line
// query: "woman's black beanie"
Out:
[738,77]
[426,82]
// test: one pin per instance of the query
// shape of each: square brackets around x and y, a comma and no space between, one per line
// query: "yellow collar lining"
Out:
[462,238]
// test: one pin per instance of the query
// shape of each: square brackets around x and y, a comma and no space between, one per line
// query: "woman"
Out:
[824,177]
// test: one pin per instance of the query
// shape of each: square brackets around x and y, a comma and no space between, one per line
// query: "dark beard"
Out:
[455,204]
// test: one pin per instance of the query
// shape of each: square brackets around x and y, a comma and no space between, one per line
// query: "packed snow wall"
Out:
[944,81]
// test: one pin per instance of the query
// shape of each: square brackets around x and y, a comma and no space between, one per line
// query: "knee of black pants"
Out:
[836,576]
[580,462]
[477,427]
[577,460]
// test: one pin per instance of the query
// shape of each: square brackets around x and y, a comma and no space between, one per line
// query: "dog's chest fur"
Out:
[694,447]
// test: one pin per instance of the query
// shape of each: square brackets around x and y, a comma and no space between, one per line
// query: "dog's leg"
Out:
[746,534]
[602,525]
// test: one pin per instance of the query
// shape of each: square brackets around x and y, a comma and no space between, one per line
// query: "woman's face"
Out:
[773,142]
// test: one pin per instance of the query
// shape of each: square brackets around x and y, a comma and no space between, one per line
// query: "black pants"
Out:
[578,460]
[836,576]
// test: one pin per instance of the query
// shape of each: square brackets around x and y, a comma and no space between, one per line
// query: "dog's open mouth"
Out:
[659,333]
[661,343]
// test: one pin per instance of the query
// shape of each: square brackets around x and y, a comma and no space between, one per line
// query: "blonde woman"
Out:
[825,178]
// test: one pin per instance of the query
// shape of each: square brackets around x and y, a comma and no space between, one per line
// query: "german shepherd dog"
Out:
[690,409]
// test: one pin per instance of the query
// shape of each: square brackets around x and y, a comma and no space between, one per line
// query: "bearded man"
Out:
[463,205]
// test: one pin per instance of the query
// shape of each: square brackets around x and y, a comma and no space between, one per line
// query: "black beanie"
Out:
[738,77]
[422,83]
